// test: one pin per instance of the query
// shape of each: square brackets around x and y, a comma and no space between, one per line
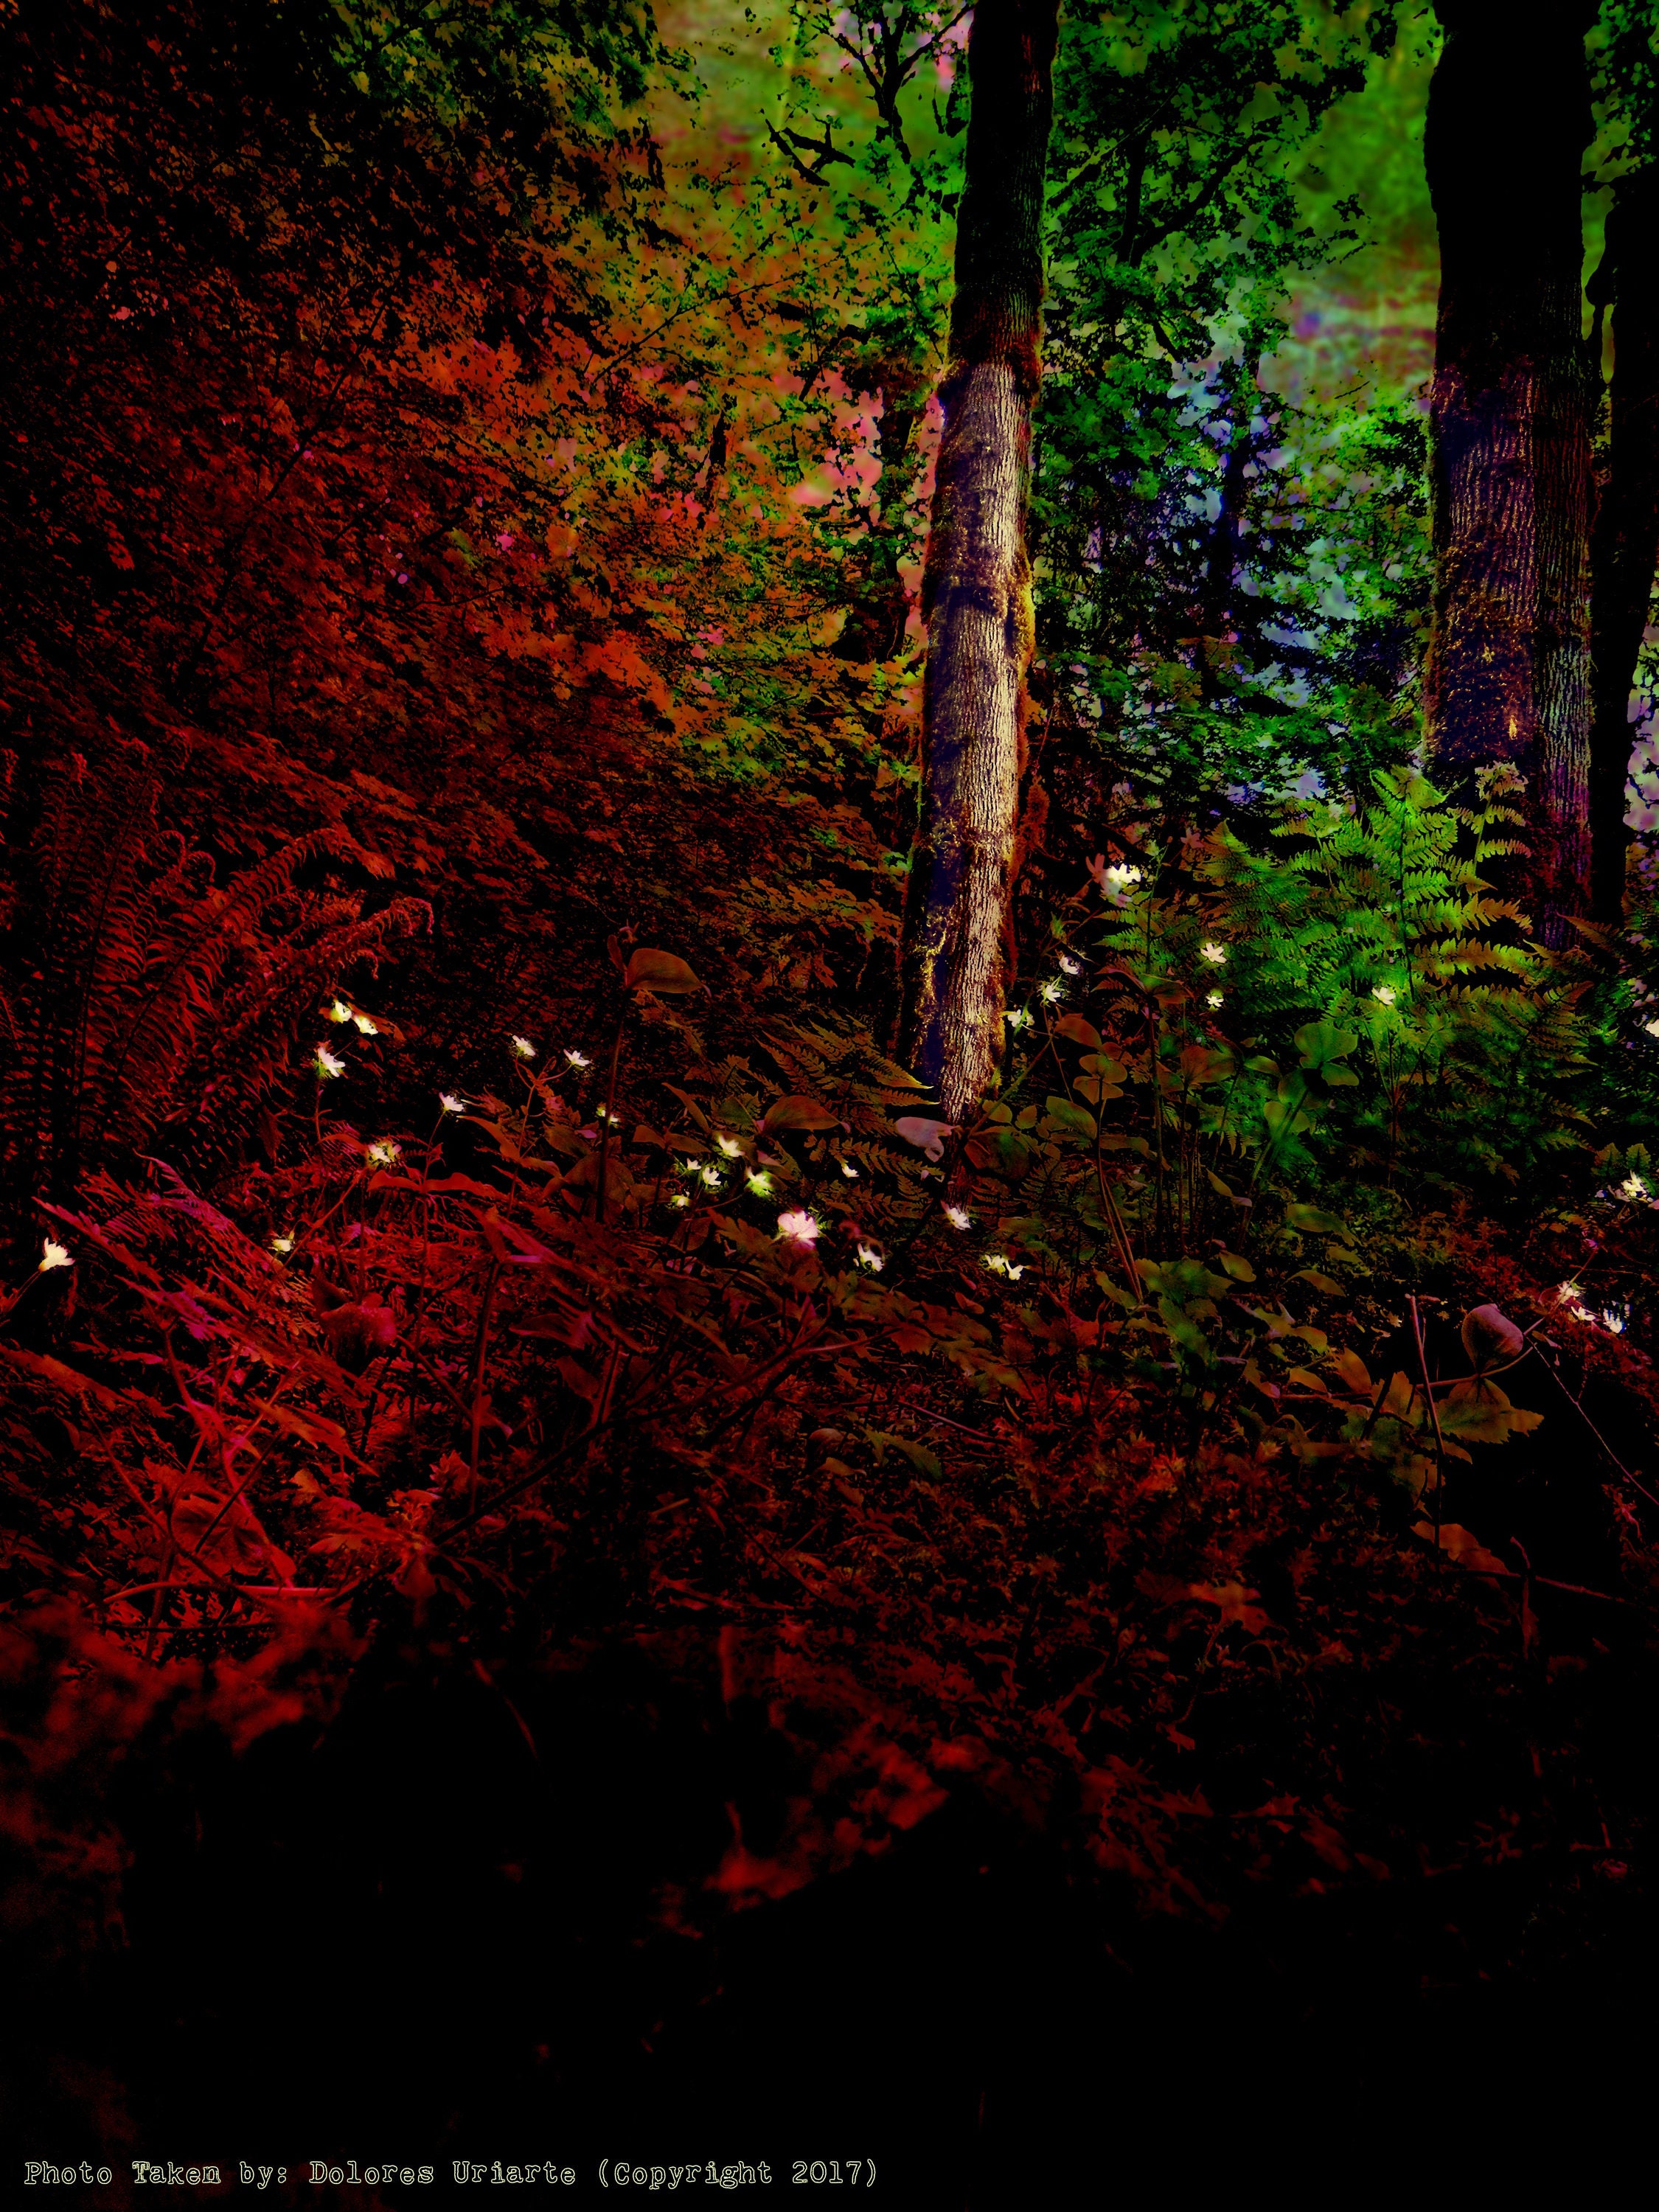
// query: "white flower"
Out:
[1572,1298]
[761,1183]
[729,1146]
[798,1229]
[383,1151]
[449,1103]
[281,1246]
[958,1216]
[339,1011]
[1018,1018]
[1051,992]
[1121,876]
[1632,1187]
[870,1258]
[1068,966]
[1383,995]
[327,1064]
[1614,1322]
[1214,1000]
[1215,954]
[849,1171]
[680,1198]
[1652,1028]
[521,1048]
[577,1059]
[53,1255]
[367,1025]
[711,1175]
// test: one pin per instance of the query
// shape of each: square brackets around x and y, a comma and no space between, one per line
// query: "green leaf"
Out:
[797,1111]
[1079,1030]
[1316,1222]
[648,969]
[1320,1044]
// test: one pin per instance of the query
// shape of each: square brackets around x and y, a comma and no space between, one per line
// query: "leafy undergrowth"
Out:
[899,1472]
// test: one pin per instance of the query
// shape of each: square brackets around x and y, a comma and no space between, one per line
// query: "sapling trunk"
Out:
[955,958]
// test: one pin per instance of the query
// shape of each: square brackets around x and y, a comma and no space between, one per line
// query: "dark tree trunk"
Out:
[1511,409]
[1625,550]
[955,959]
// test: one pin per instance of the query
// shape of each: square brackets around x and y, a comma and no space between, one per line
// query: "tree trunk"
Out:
[1625,550]
[1510,416]
[956,955]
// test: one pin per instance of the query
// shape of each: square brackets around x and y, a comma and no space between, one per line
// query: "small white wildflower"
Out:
[577,1059]
[1051,992]
[521,1048]
[383,1151]
[849,1171]
[1383,995]
[1632,1187]
[729,1146]
[1612,1320]
[1652,1028]
[281,1246]
[1018,1018]
[711,1175]
[1121,876]
[601,1112]
[367,1024]
[53,1255]
[680,1198]
[958,1216]
[1068,966]
[339,1011]
[798,1229]
[761,1183]
[450,1103]
[870,1258]
[1215,954]
[327,1063]
[996,1263]
[1215,999]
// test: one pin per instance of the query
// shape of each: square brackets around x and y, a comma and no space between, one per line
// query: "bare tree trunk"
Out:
[956,957]
[1625,550]
[1511,409]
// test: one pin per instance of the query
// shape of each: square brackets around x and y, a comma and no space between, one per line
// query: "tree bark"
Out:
[1512,408]
[1625,550]
[956,952]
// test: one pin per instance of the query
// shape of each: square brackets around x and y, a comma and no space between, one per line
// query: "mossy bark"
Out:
[1625,547]
[1512,408]
[955,954]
